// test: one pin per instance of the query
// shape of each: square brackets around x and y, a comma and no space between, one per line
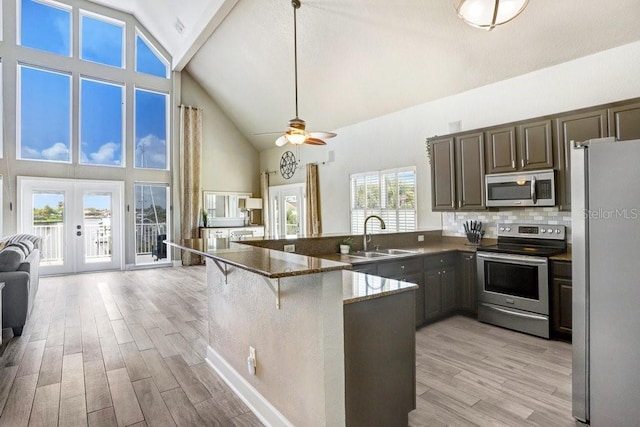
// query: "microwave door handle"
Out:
[534,198]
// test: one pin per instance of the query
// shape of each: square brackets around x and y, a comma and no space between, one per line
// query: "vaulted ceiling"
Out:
[360,59]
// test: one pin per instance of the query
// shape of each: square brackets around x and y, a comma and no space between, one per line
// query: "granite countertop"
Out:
[562,257]
[358,287]
[265,262]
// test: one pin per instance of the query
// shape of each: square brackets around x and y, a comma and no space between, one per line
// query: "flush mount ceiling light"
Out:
[487,14]
[297,134]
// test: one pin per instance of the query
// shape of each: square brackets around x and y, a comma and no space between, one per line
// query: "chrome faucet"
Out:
[365,239]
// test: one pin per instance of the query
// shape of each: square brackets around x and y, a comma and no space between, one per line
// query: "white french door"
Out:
[80,222]
[288,209]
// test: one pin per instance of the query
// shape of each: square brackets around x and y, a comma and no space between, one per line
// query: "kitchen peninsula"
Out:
[318,331]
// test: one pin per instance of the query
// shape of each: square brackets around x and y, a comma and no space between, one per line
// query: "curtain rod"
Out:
[190,106]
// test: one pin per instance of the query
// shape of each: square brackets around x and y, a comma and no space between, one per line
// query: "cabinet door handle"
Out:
[522,162]
[402,267]
[513,164]
[459,204]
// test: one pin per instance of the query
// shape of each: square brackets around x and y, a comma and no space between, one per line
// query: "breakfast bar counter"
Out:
[298,337]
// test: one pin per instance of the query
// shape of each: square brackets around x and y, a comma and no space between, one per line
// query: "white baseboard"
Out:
[260,406]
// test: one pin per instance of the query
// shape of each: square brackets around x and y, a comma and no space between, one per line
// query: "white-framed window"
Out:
[101,39]
[390,194]
[151,129]
[101,123]
[45,25]
[44,114]
[148,59]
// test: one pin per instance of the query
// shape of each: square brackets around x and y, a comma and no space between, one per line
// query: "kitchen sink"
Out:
[382,253]
[396,251]
[369,254]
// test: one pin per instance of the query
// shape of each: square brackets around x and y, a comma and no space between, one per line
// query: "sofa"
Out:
[19,262]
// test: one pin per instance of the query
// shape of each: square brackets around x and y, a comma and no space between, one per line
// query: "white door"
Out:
[80,222]
[287,210]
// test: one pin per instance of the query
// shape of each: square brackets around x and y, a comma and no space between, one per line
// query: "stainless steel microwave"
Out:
[521,189]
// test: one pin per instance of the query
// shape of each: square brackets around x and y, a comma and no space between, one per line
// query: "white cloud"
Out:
[57,151]
[151,152]
[106,154]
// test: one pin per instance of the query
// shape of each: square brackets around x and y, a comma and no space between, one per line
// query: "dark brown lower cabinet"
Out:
[561,299]
[380,361]
[468,282]
[440,285]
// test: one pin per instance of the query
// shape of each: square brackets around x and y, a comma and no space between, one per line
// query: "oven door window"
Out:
[511,279]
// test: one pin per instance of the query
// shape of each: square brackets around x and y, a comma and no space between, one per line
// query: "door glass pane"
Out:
[151,201]
[292,209]
[101,128]
[47,221]
[151,130]
[46,27]
[101,41]
[45,115]
[96,208]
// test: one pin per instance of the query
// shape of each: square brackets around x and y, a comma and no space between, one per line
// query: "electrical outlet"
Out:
[289,248]
[252,361]
[420,238]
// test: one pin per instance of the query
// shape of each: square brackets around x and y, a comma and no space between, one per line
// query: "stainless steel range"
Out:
[513,276]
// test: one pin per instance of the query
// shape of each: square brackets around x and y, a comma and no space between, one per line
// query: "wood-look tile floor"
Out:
[127,348]
[470,373]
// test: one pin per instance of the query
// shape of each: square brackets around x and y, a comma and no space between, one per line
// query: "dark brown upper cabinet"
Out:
[470,171]
[575,127]
[528,146]
[501,150]
[443,184]
[624,122]
[535,145]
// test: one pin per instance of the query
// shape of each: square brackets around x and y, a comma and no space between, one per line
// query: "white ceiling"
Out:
[360,59]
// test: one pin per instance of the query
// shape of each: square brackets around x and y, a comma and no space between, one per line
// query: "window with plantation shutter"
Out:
[391,194]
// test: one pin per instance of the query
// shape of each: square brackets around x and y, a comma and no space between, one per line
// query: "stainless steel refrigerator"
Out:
[605,198]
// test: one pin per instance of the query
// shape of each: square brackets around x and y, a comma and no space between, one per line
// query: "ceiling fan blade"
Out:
[314,141]
[323,135]
[281,141]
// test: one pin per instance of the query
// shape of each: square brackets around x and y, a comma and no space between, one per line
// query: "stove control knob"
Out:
[543,231]
[549,230]
[501,228]
[508,228]
[558,231]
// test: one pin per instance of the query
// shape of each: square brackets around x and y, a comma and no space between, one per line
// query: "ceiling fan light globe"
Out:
[296,137]
[480,13]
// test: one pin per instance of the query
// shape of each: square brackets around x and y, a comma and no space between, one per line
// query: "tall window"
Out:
[44,115]
[151,130]
[101,123]
[391,194]
[152,219]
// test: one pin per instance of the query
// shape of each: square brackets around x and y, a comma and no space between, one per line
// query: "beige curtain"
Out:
[190,143]
[264,190]
[314,221]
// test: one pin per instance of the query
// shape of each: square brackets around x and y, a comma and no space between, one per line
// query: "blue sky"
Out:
[46,96]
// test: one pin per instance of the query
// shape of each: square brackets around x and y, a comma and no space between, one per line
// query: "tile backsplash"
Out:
[452,221]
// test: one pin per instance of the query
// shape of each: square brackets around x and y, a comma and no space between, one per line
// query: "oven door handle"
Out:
[514,258]
[515,313]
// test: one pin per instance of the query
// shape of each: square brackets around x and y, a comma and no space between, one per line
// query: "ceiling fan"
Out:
[296,133]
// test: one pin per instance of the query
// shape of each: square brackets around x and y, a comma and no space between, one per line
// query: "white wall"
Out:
[229,161]
[398,139]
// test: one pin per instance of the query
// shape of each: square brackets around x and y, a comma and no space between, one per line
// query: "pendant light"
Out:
[487,14]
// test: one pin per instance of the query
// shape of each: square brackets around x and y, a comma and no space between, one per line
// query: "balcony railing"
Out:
[97,240]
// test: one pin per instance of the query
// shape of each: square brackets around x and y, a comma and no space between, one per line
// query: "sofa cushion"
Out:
[10,258]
